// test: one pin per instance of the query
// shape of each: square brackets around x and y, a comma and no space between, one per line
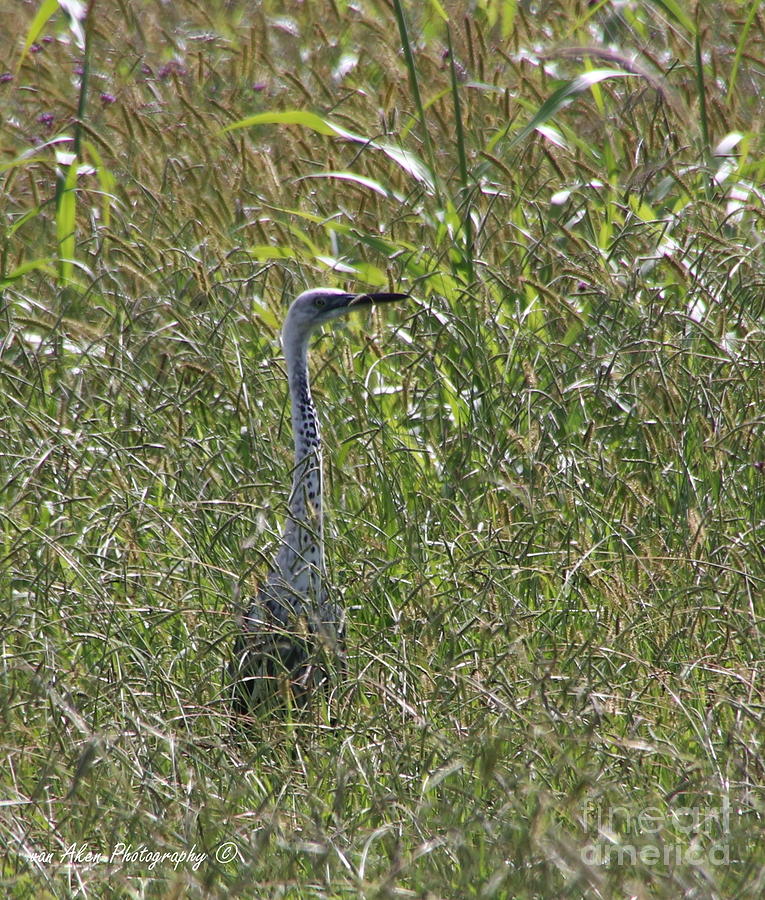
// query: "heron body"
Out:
[293,633]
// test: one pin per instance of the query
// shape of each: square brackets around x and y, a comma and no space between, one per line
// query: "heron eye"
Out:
[319,301]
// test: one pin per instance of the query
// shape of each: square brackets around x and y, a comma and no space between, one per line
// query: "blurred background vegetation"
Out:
[545,471]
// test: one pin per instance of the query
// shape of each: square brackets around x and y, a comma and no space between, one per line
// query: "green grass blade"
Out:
[66,216]
[558,100]
[405,159]
[31,265]
[414,86]
[465,206]
[754,6]
[46,10]
[301,117]
[676,12]
[706,148]
[352,178]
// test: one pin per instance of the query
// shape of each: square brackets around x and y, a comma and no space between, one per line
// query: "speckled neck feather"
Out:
[300,560]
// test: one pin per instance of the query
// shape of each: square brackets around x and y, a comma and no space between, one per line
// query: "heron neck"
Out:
[304,527]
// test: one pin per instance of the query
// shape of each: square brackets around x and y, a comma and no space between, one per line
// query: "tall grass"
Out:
[545,472]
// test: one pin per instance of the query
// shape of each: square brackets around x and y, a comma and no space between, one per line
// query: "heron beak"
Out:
[355,300]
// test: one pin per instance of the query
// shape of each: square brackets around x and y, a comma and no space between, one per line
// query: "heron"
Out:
[292,634]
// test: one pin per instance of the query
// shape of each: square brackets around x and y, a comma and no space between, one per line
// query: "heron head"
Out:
[319,305]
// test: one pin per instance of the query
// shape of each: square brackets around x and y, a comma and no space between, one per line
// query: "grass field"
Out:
[546,471]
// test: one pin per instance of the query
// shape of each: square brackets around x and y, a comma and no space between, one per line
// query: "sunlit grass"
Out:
[545,471]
